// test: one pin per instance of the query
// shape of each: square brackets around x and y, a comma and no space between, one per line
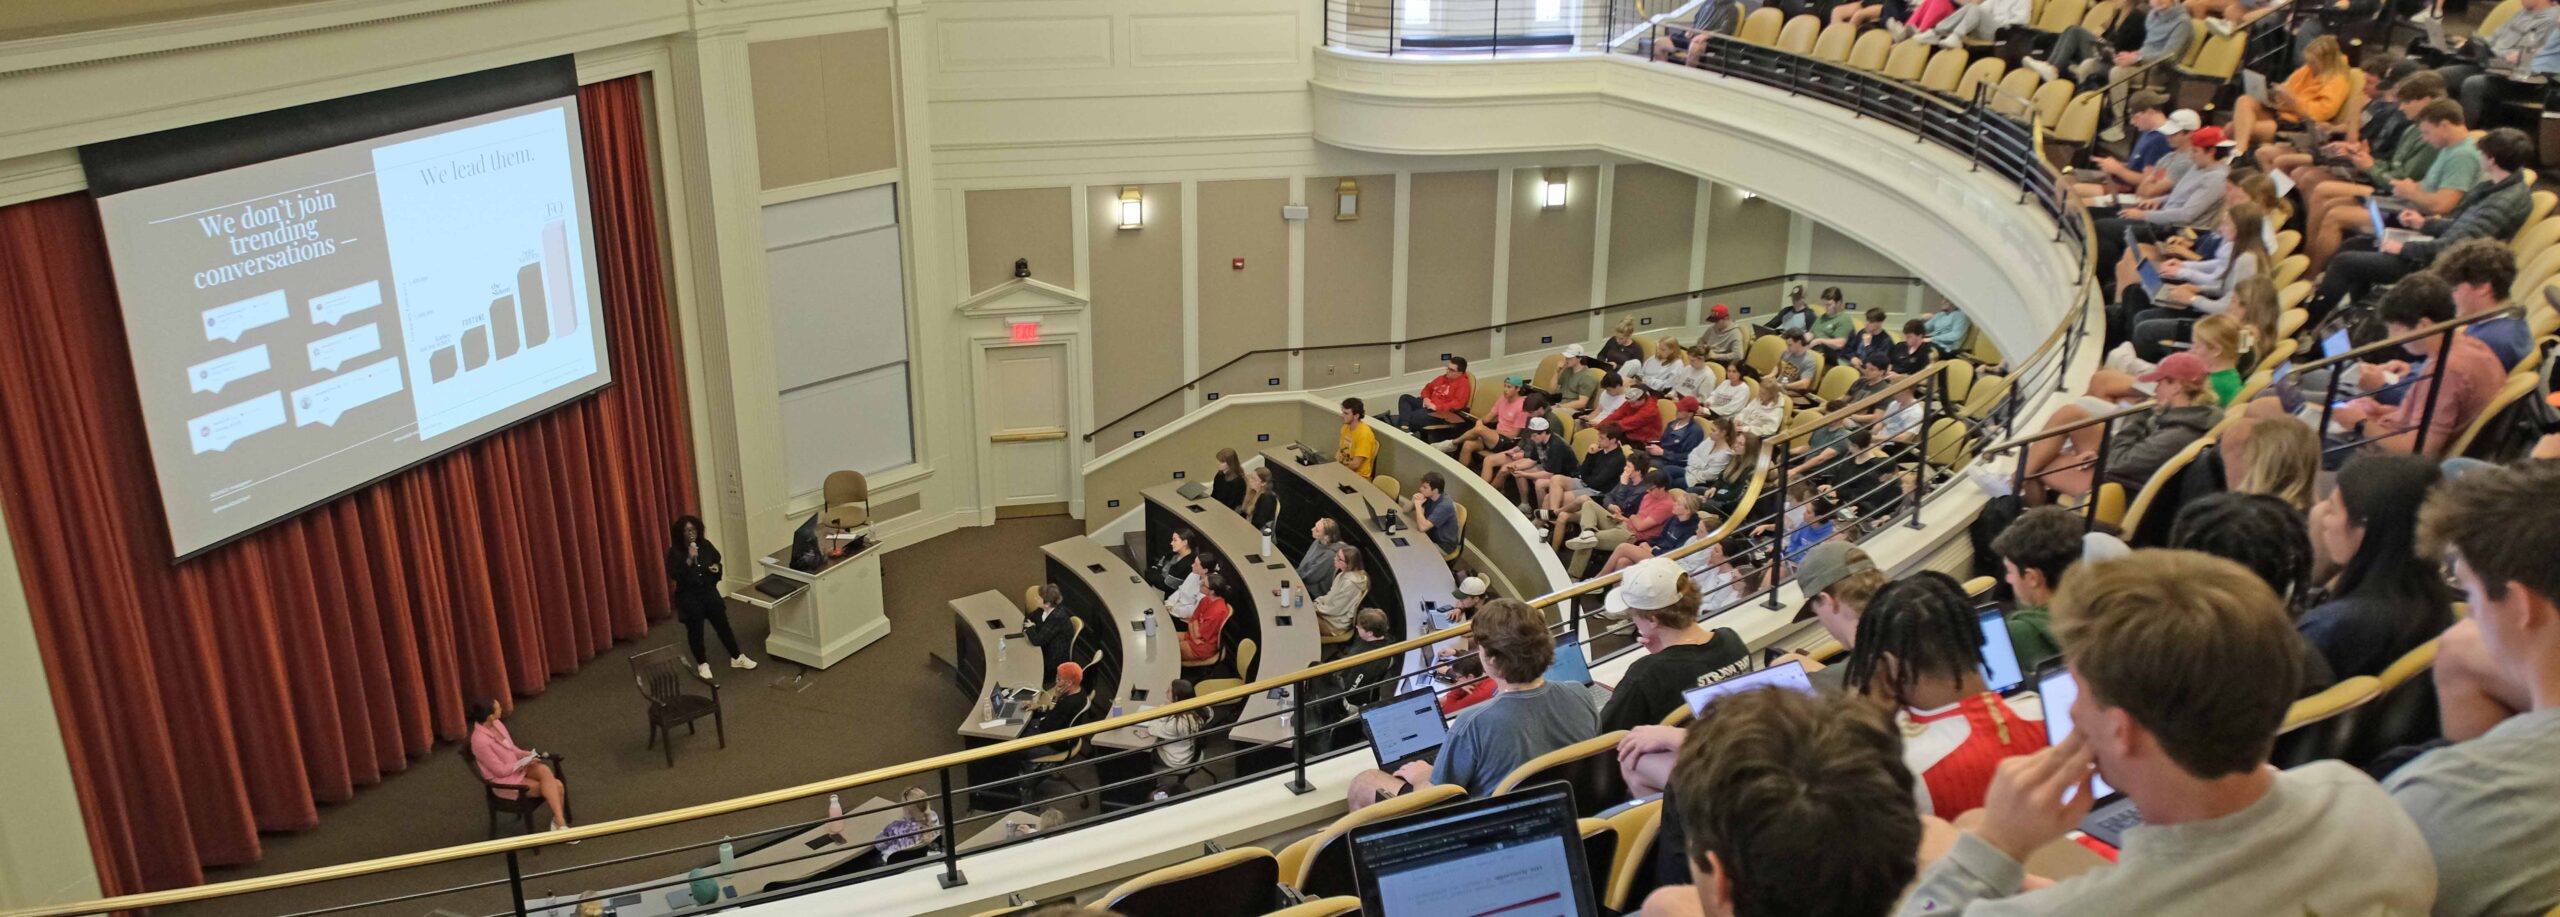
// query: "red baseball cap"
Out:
[2209,136]
[1688,404]
[1717,311]
[2182,366]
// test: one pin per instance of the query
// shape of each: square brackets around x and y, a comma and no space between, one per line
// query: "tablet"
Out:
[1789,675]
[1570,664]
[2000,670]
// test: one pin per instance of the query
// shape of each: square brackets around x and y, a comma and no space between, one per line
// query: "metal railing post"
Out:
[1920,448]
[2329,404]
[2097,474]
[1497,30]
[1778,545]
[1298,740]
[2436,366]
[950,877]
[515,883]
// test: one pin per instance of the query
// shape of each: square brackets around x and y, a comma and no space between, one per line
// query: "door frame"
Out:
[982,447]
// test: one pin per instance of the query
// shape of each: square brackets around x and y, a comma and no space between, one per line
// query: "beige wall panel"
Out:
[1653,215]
[1424,354]
[1250,374]
[1350,281]
[1239,427]
[1834,253]
[1115,435]
[1540,333]
[825,106]
[861,102]
[1329,366]
[791,135]
[1137,303]
[1551,249]
[1034,223]
[1746,240]
[1243,310]
[1449,255]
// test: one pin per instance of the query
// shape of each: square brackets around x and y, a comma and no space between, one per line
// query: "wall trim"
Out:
[827,186]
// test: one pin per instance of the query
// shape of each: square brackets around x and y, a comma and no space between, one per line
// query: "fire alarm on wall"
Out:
[1239,264]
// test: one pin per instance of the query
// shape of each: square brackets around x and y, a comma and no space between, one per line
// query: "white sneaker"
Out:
[741,662]
[1583,542]
[1449,446]
[703,670]
[1898,29]
[1993,479]
[2042,68]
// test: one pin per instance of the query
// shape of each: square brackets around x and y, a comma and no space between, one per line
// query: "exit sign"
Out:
[1026,332]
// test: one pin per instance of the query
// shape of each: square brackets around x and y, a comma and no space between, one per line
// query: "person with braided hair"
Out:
[2267,535]
[1920,646]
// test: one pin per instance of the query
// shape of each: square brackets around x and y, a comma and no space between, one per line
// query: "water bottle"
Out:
[1002,641]
[835,816]
[1266,541]
[1287,596]
[1151,633]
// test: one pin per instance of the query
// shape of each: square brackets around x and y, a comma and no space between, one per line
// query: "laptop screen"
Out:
[1570,664]
[1999,656]
[2056,691]
[2336,343]
[1515,855]
[1789,675]
[1406,728]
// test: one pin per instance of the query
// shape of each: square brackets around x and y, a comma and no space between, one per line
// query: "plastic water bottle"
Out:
[1287,596]
[835,816]
[1151,632]
[1266,542]
[1002,641]
[728,855]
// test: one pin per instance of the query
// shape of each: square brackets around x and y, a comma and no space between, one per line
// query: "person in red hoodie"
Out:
[1638,418]
[1200,641]
[1441,411]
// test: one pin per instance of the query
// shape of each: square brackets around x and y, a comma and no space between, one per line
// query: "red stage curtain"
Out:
[205,702]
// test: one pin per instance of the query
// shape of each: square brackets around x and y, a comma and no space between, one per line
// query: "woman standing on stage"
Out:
[694,567]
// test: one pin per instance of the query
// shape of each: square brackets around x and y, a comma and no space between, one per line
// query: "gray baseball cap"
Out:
[1829,563]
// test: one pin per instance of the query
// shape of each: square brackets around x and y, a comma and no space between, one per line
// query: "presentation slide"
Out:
[305,325]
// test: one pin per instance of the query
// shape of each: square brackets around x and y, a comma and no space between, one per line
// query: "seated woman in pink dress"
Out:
[500,761]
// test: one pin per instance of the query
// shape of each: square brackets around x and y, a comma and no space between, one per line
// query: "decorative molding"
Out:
[1023,296]
[87,45]
[827,186]
[43,175]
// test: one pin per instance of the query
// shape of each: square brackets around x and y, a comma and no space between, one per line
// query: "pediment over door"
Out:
[1024,296]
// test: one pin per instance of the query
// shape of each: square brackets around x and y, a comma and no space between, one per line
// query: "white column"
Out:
[1400,272]
[1297,368]
[1600,251]
[1706,208]
[1190,198]
[1501,311]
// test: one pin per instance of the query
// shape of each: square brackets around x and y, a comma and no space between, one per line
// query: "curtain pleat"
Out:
[205,702]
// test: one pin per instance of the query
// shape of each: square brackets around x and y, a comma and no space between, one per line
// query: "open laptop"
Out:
[2388,233]
[1405,729]
[1573,668]
[2114,813]
[2150,277]
[2000,669]
[1789,675]
[2254,84]
[1514,855]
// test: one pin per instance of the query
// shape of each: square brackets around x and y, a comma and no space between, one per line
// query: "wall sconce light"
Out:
[1555,188]
[1348,192]
[1133,208]
[1750,195]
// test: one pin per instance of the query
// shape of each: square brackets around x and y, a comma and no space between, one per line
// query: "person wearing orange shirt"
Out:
[2314,93]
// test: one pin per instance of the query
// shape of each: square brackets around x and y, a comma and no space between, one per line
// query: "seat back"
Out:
[1545,378]
[2102,17]
[2350,118]
[1798,35]
[1030,597]
[1638,826]
[2536,269]
[2535,239]
[1870,49]
[663,675]
[2016,97]
[2405,713]
[2051,98]
[2286,241]
[844,487]
[1986,395]
[2316,728]
[2498,16]
[1945,68]
[1323,866]
[1907,59]
[1946,442]
[2290,269]
[2289,300]
[2218,56]
[1452,553]
[1979,73]
[1388,485]
[1958,380]
[2061,14]
[1336,906]
[1243,882]
[1589,766]
[2079,121]
[2523,382]
[2111,501]
[1762,26]
[1836,383]
[1833,44]
[1482,395]
[1599,852]
[1763,356]
[1582,440]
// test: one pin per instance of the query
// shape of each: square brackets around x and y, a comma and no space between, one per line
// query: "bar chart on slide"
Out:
[492,278]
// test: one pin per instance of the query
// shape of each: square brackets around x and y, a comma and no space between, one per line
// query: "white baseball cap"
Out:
[1573,351]
[1538,424]
[2181,121]
[1472,586]
[1648,585]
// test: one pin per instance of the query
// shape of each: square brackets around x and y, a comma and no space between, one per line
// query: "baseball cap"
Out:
[1472,586]
[2182,121]
[1538,424]
[1515,380]
[1718,311]
[1688,404]
[1652,584]
[2182,366]
[1573,351]
[1829,563]
[2209,136]
[2148,98]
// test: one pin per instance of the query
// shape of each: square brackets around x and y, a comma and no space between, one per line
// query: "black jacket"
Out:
[1065,712]
[695,582]
[1053,631]
[2149,441]
[1171,571]
[1228,491]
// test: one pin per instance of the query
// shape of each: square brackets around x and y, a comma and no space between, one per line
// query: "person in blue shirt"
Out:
[2148,113]
[1680,437]
[1434,513]
[2480,271]
[1949,329]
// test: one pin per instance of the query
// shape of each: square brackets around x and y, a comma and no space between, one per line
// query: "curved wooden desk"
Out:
[1098,583]
[1405,569]
[1287,640]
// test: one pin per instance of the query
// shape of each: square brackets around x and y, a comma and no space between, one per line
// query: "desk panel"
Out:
[1287,638]
[1098,581]
[1008,659]
[1405,569]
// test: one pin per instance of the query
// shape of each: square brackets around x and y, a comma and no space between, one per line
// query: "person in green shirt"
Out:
[2219,341]
[2334,204]
[2035,550]
[1575,386]
[1832,329]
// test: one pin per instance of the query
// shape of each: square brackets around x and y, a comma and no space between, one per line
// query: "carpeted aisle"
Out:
[883,705]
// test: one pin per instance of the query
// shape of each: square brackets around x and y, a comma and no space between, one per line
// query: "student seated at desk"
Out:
[1061,707]
[1186,596]
[910,836]
[1200,640]
[1261,505]
[1527,717]
[1315,568]
[1178,750]
[1176,562]
[1350,587]
[1469,686]
[1051,628]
